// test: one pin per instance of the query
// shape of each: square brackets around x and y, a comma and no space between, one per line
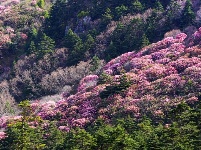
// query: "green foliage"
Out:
[109,137]
[20,135]
[46,45]
[41,3]
[88,44]
[111,52]
[159,6]
[34,33]
[54,138]
[107,16]
[55,24]
[79,139]
[120,11]
[188,15]
[32,47]
[145,41]
[182,131]
[126,38]
[172,14]
[105,78]
[82,14]
[75,44]
[116,88]
[95,63]
[46,14]
[136,7]
[8,108]
[71,39]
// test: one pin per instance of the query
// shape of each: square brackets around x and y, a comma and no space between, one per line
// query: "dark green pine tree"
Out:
[76,47]
[120,11]
[88,44]
[71,40]
[79,139]
[124,84]
[46,45]
[95,63]
[188,15]
[145,41]
[111,51]
[56,24]
[136,7]
[32,48]
[107,16]
[159,6]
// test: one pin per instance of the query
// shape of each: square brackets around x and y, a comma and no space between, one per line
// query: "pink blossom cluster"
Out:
[158,71]
[46,110]
[182,63]
[197,34]
[64,128]
[195,39]
[4,120]
[23,36]
[86,82]
[2,8]
[33,2]
[2,135]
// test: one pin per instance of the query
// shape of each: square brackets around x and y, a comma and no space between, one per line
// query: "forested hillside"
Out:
[100,74]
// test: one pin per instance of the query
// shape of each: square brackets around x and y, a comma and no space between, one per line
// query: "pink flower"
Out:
[3,121]
[17,117]
[80,122]
[34,105]
[132,108]
[64,128]
[23,36]
[86,82]
[2,135]
[33,2]
[192,100]
[2,7]
[181,37]
[158,112]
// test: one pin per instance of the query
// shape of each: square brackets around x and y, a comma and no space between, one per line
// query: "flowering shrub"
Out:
[86,82]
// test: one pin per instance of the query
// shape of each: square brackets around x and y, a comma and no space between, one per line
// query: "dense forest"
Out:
[100,74]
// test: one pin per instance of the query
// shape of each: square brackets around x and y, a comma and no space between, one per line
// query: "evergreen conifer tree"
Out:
[145,41]
[159,6]
[107,16]
[32,47]
[136,7]
[95,63]
[56,24]
[120,11]
[75,44]
[71,40]
[89,42]
[46,45]
[188,15]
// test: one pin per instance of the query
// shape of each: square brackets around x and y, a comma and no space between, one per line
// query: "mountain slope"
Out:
[152,82]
